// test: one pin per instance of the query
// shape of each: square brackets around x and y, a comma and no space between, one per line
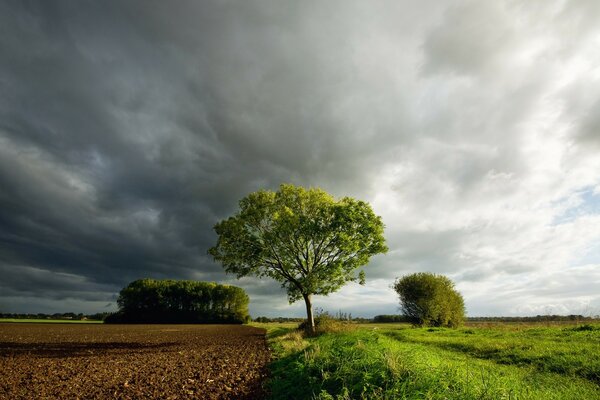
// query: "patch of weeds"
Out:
[325,323]
[436,329]
[585,328]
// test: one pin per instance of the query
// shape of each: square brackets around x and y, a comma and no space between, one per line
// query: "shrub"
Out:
[430,300]
[325,323]
[584,328]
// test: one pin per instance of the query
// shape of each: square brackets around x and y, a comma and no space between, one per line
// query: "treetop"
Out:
[304,238]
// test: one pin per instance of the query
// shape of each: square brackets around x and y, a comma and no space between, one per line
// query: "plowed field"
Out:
[56,361]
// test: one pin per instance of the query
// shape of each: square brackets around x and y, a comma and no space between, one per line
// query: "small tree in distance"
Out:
[430,300]
[303,238]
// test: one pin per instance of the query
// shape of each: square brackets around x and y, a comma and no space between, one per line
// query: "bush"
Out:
[430,300]
[325,323]
[585,328]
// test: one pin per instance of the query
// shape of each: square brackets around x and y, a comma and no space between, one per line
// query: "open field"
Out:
[394,361]
[60,361]
[369,361]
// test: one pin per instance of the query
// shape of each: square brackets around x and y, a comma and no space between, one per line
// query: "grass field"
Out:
[393,361]
[49,321]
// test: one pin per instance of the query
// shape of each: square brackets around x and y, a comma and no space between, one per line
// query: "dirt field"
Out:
[55,361]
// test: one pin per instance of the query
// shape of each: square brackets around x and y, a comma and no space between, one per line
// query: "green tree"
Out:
[171,301]
[303,238]
[430,300]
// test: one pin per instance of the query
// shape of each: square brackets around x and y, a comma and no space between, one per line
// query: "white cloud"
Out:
[472,128]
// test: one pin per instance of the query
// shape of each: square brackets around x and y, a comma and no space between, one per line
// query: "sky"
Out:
[129,128]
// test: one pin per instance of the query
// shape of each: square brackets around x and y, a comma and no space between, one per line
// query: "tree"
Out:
[171,301]
[300,237]
[430,300]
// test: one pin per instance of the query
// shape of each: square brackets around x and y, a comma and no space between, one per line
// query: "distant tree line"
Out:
[391,318]
[339,316]
[278,319]
[537,318]
[173,301]
[65,316]
[384,318]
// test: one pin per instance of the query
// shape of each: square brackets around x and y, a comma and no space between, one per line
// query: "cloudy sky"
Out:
[128,129]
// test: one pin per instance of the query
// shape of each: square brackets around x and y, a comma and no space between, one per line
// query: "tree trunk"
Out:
[309,313]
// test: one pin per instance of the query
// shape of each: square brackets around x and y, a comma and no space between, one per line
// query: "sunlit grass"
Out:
[391,361]
[568,351]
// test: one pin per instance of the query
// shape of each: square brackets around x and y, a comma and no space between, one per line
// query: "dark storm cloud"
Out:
[98,179]
[127,129]
[27,281]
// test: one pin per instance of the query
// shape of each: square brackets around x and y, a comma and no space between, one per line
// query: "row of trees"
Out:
[65,316]
[537,318]
[390,318]
[171,301]
[305,239]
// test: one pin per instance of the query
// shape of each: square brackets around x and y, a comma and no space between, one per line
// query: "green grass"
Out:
[397,362]
[49,321]
[568,351]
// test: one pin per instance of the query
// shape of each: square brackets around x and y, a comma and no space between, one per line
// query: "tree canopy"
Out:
[303,238]
[171,301]
[430,299]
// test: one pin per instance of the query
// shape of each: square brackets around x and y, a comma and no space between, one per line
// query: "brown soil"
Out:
[71,361]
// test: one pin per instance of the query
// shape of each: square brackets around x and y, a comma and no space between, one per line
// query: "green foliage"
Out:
[325,323]
[170,301]
[430,300]
[303,238]
[391,363]
[390,318]
[586,327]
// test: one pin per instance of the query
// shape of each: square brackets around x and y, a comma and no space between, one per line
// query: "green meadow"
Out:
[395,361]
